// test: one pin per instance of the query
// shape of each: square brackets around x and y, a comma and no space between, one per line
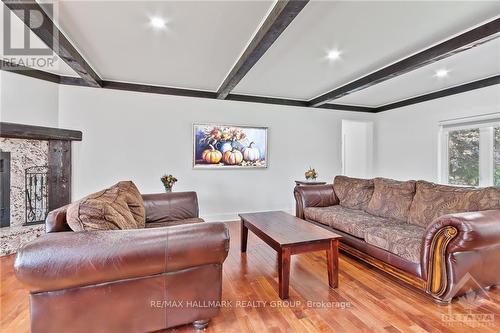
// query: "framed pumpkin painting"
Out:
[229,146]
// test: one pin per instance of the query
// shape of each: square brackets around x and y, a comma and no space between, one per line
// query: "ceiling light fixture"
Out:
[158,23]
[333,54]
[442,73]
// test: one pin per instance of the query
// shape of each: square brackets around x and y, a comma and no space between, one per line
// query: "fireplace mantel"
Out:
[58,156]
[30,132]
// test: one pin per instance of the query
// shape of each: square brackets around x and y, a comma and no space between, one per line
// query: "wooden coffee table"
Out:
[290,235]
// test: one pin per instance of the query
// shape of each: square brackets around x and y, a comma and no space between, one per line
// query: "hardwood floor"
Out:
[366,300]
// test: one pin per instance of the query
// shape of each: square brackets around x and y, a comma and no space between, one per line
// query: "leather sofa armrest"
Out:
[174,206]
[314,196]
[73,259]
[459,246]
[56,220]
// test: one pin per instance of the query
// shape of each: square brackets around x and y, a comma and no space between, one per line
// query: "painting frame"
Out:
[220,166]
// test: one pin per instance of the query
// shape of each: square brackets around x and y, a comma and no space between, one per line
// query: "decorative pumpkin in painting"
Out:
[211,155]
[251,153]
[225,147]
[233,157]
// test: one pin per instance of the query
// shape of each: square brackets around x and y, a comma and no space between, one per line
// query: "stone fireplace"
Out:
[36,178]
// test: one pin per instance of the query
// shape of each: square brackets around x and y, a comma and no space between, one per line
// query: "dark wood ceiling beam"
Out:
[460,43]
[27,71]
[66,80]
[157,89]
[266,100]
[48,32]
[344,107]
[442,93]
[282,14]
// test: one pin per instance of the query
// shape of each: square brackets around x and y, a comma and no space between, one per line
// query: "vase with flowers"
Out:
[311,174]
[168,182]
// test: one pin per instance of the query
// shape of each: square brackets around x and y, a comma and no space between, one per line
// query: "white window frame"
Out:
[486,125]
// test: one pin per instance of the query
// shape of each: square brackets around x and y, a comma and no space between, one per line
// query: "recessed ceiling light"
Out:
[441,73]
[158,22]
[333,54]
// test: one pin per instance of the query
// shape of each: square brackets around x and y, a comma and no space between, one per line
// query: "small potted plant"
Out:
[311,174]
[168,181]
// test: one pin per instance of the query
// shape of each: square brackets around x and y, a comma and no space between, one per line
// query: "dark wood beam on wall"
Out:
[43,26]
[442,93]
[344,107]
[266,100]
[30,72]
[282,14]
[157,89]
[457,44]
[76,81]
[145,88]
[65,80]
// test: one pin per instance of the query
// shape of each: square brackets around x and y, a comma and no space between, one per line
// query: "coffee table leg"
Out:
[284,272]
[244,237]
[332,258]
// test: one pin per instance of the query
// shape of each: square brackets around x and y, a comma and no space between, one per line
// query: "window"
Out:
[463,157]
[470,153]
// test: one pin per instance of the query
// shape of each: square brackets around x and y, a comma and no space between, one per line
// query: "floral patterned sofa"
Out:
[441,239]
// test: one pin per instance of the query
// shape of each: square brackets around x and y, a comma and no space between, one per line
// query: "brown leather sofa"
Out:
[135,280]
[444,240]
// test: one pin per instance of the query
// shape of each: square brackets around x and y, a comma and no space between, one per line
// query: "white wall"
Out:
[138,136]
[25,100]
[141,136]
[357,148]
[406,139]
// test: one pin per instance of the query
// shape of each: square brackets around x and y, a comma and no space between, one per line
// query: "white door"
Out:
[357,148]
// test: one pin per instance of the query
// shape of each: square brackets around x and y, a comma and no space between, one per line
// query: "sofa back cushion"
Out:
[118,207]
[392,199]
[433,200]
[354,193]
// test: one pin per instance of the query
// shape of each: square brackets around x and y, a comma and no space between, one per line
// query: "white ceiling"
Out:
[474,64]
[204,39]
[370,35]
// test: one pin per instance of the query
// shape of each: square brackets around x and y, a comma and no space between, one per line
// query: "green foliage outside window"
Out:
[463,154]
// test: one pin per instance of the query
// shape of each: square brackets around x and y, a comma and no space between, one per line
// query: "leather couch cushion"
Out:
[172,223]
[391,199]
[353,193]
[173,206]
[401,239]
[351,221]
[118,207]
[433,200]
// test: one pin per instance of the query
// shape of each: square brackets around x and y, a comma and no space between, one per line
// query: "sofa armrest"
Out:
[174,206]
[313,196]
[73,259]
[56,220]
[458,247]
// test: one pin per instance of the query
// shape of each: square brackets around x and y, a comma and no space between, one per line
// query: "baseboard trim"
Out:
[229,217]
